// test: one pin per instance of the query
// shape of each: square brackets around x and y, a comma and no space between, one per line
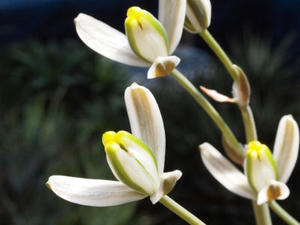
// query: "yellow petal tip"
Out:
[108,136]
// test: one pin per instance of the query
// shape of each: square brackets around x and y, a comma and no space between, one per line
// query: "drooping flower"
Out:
[137,160]
[148,42]
[265,175]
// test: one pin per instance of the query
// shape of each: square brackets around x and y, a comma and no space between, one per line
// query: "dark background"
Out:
[57,97]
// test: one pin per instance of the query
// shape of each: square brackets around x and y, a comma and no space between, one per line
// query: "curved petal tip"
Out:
[168,181]
[273,191]
[162,66]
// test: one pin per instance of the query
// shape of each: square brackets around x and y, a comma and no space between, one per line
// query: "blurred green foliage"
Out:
[56,99]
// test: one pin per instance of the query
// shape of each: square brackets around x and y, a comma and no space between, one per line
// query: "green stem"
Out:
[262,214]
[213,44]
[180,211]
[284,215]
[210,110]
[249,123]
[246,111]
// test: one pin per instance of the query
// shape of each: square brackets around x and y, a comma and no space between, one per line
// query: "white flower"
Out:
[138,169]
[149,42]
[267,175]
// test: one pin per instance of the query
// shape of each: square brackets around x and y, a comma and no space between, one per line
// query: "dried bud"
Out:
[231,152]
[241,88]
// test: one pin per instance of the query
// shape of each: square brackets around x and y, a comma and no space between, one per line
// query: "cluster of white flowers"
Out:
[137,159]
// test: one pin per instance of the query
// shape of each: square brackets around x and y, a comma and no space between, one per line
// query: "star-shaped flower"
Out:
[148,42]
[136,161]
[265,175]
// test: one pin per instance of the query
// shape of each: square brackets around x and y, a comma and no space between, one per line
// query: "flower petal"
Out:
[172,15]
[274,190]
[145,121]
[225,172]
[130,171]
[168,181]
[106,40]
[286,147]
[92,192]
[162,66]
[218,97]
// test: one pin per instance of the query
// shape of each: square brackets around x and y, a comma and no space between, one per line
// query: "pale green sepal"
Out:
[260,166]
[162,66]
[273,191]
[198,13]
[131,161]
[167,183]
[286,147]
[141,152]
[146,36]
[114,154]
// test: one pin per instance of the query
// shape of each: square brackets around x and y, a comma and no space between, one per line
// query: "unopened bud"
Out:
[198,15]
[131,161]
[146,36]
[260,166]
[241,88]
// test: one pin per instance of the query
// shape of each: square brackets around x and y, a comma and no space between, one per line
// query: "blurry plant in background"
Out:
[57,98]
[54,102]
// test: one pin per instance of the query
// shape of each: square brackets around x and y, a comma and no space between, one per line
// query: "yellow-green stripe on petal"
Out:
[260,166]
[131,161]
[146,36]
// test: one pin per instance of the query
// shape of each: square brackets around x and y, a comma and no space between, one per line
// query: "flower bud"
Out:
[198,15]
[241,88]
[131,161]
[146,36]
[260,166]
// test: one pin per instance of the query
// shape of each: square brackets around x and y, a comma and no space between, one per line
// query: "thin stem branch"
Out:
[249,123]
[209,109]
[246,111]
[180,211]
[216,48]
[262,214]
[284,215]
